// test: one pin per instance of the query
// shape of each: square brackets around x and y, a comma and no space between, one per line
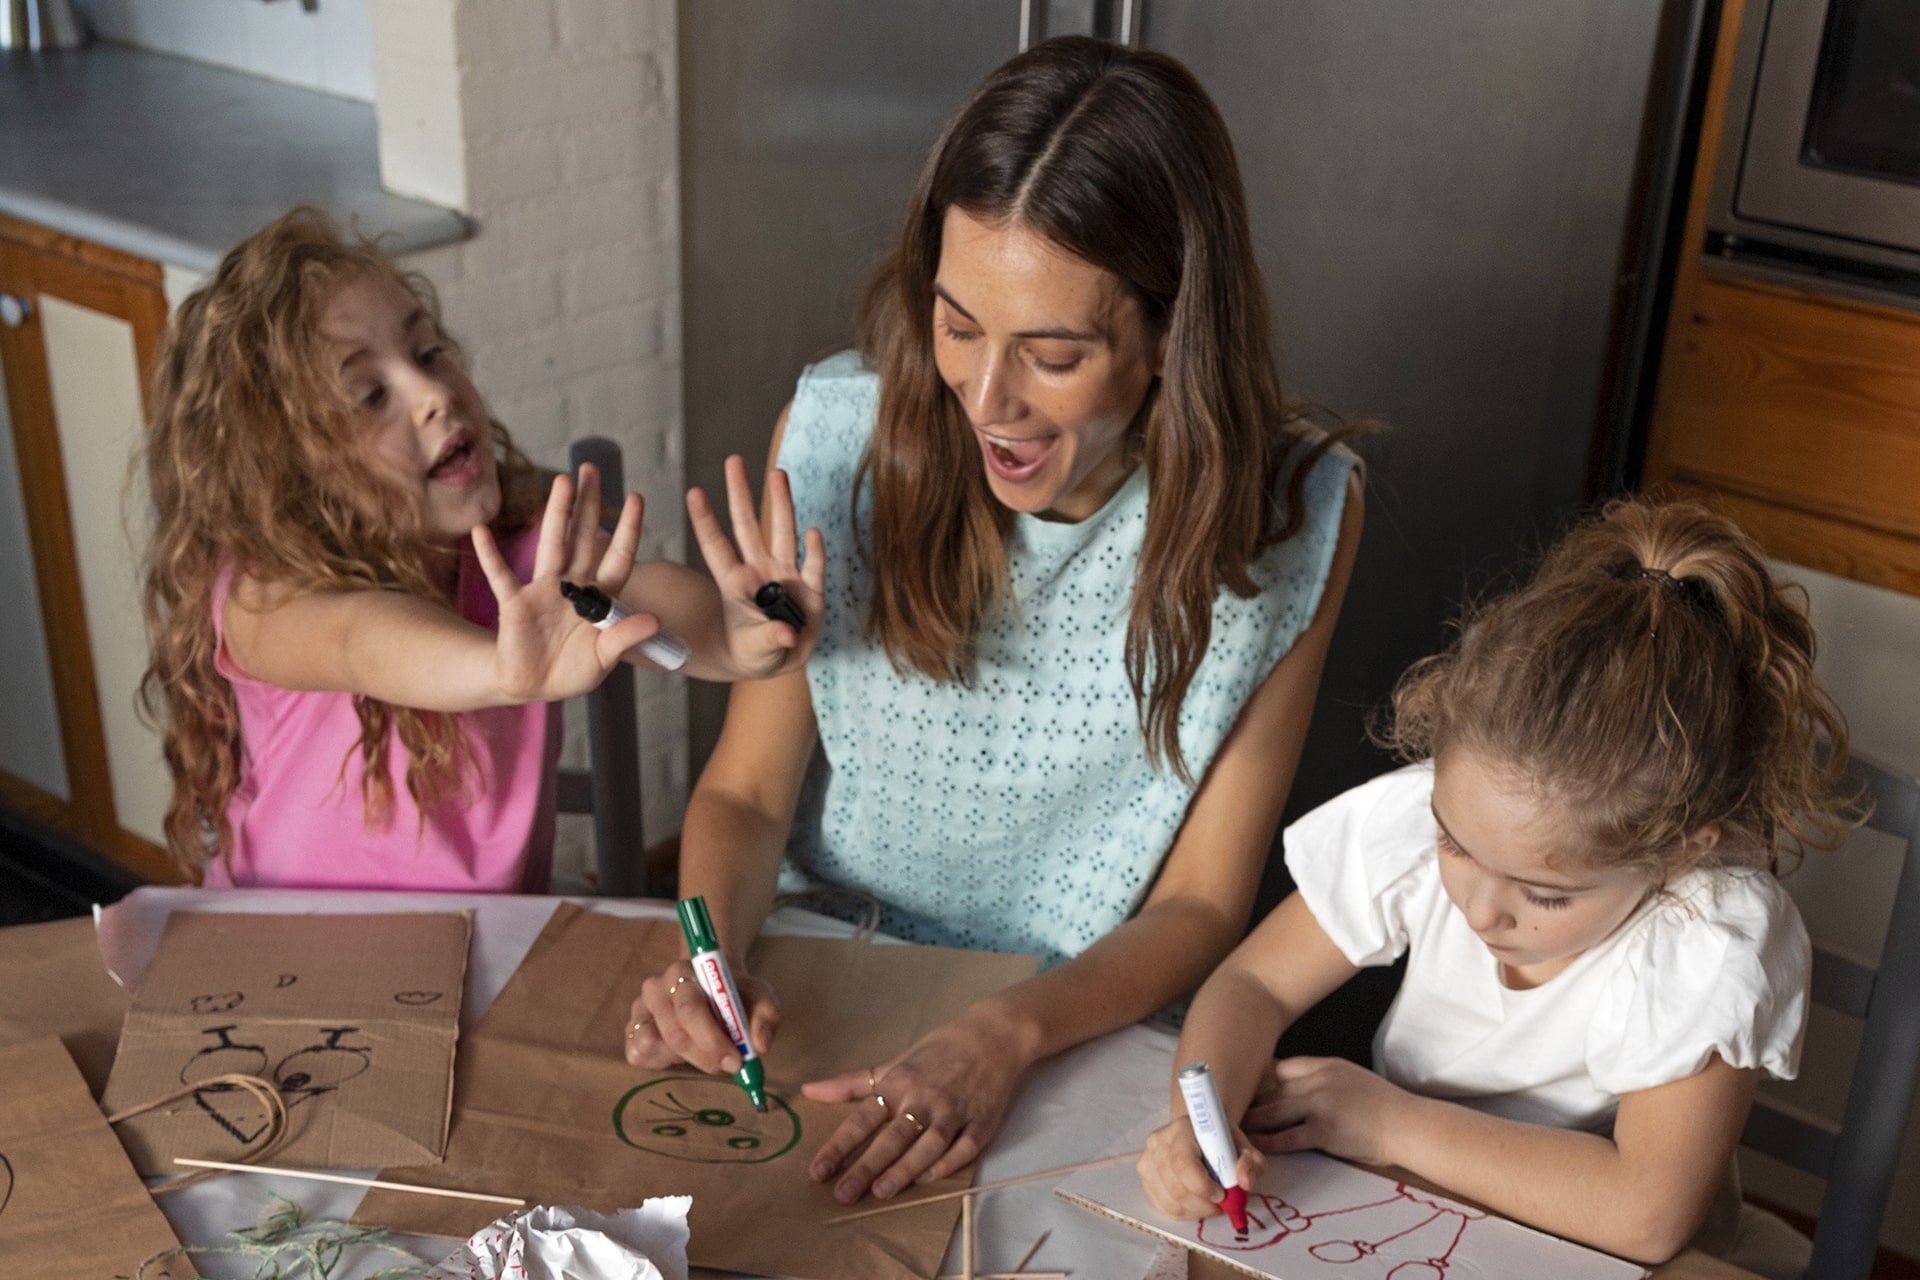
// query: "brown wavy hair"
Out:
[1653,678]
[255,458]
[1120,158]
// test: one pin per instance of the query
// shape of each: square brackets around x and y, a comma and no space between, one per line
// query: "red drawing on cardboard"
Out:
[1407,1214]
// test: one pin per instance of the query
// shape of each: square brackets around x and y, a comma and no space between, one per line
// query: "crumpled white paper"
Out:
[560,1243]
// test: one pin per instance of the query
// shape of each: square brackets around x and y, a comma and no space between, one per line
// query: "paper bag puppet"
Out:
[547,1108]
[52,982]
[70,1203]
[1311,1217]
[352,1017]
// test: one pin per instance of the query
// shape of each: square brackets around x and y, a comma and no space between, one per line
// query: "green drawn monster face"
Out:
[705,1119]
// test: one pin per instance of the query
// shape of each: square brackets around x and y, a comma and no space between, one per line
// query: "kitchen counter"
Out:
[175,160]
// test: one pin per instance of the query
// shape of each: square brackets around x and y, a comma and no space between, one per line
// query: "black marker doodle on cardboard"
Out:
[223,1002]
[6,1181]
[704,1119]
[416,999]
[286,980]
[306,1072]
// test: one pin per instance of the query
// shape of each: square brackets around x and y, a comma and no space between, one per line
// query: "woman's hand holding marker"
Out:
[672,1023]
[762,639]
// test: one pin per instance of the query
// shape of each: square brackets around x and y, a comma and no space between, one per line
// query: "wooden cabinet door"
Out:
[75,371]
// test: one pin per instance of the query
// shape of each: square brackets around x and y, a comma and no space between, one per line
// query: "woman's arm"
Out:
[958,1080]
[730,847]
[1641,1194]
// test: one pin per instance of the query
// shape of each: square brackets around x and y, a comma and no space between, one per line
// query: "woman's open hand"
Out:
[544,650]
[923,1115]
[757,645]
[671,1021]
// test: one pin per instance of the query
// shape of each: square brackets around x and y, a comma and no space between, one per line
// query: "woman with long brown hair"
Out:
[1087,567]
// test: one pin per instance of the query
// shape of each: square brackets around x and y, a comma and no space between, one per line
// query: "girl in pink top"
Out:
[353,592]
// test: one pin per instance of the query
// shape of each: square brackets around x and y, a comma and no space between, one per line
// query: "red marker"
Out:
[1216,1143]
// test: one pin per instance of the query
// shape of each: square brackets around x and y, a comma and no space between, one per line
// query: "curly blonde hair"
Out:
[254,459]
[1653,678]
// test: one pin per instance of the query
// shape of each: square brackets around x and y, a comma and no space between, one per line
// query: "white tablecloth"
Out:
[1069,1108]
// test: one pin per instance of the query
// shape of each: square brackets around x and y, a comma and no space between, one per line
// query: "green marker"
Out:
[710,970]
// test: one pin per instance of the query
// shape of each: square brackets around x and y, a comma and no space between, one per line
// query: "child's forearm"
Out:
[1571,1183]
[409,652]
[1231,1026]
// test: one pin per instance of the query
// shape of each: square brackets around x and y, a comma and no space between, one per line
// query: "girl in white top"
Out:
[1610,762]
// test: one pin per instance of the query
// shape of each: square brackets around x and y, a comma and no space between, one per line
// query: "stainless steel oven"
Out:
[1819,165]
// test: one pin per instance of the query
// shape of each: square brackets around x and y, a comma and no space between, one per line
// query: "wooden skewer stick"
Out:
[1027,1257]
[340,1177]
[1009,1275]
[1062,1171]
[966,1238]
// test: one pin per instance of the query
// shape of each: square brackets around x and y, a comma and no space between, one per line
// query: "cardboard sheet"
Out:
[354,1018]
[1315,1218]
[70,1203]
[52,982]
[546,1107]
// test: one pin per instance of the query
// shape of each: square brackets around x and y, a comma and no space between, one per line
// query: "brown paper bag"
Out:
[70,1204]
[353,1017]
[546,1107]
[52,982]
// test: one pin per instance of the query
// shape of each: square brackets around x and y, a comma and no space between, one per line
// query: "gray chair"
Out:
[610,788]
[1857,1158]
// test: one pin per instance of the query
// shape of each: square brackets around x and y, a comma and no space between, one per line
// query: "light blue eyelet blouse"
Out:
[1021,812]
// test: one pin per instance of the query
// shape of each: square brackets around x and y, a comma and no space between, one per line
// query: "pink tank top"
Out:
[298,819]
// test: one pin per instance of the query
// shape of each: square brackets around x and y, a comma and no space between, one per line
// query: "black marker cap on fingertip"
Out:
[778,605]
[590,602]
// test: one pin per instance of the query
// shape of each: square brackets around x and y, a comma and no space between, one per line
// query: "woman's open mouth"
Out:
[1016,461]
[458,463]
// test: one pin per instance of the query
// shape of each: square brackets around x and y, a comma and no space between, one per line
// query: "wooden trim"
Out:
[1841,547]
[38,263]
[1686,279]
[84,252]
[142,857]
[56,565]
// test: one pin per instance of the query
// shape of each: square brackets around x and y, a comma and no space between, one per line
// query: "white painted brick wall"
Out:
[552,123]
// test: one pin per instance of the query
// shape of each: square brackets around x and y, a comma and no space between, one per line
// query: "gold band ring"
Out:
[634,1027]
[883,1103]
[873,1086]
[918,1126]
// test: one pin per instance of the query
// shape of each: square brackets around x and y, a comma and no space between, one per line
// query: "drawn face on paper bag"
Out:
[705,1119]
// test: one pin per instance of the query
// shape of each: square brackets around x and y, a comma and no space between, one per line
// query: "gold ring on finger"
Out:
[873,1086]
[882,1101]
[673,988]
[633,1029]
[915,1121]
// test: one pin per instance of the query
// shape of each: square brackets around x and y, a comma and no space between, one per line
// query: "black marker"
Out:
[662,648]
[778,605]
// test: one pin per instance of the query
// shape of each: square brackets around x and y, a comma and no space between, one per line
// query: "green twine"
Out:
[288,1247]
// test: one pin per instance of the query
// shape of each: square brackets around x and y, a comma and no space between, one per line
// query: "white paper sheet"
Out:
[555,1243]
[1315,1218]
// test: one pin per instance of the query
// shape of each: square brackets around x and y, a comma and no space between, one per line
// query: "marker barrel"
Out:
[710,970]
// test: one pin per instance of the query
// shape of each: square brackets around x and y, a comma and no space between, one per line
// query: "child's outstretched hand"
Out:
[1176,1178]
[545,651]
[757,645]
